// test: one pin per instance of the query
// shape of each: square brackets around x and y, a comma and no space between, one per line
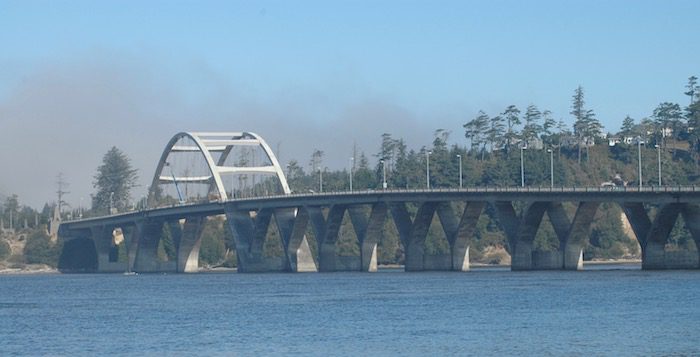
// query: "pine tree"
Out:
[114,180]
[668,116]
[627,126]
[512,118]
[586,125]
[532,127]
[693,89]
[475,130]
[495,132]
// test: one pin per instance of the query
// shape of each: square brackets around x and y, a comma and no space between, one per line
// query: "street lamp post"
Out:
[460,170]
[352,167]
[551,168]
[427,169]
[320,180]
[639,158]
[111,197]
[383,174]
[522,167]
[658,151]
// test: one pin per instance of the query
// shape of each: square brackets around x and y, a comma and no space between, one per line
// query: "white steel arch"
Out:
[208,142]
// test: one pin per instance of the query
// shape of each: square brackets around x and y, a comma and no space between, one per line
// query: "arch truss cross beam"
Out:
[221,143]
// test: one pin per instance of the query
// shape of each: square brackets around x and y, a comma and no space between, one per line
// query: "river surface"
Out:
[494,312]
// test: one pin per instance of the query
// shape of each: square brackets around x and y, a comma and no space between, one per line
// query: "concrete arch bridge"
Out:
[89,244]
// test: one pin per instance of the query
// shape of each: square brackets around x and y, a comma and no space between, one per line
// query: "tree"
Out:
[316,160]
[693,120]
[114,180]
[627,126]
[5,249]
[512,118]
[668,116]
[475,130]
[10,210]
[549,124]
[495,132]
[39,250]
[693,89]
[532,127]
[586,125]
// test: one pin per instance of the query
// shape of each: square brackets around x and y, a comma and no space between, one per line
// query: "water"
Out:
[484,312]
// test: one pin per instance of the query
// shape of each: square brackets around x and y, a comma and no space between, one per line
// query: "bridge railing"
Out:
[482,189]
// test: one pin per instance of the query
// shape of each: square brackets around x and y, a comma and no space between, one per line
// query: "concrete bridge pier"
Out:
[249,231]
[368,232]
[691,216]
[573,236]
[148,233]
[190,239]
[459,233]
[103,238]
[521,231]
[292,224]
[653,235]
[326,230]
[413,232]
[131,243]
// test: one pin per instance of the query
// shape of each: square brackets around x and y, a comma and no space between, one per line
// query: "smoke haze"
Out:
[63,117]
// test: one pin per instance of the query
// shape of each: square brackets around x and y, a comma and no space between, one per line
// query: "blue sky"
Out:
[314,74]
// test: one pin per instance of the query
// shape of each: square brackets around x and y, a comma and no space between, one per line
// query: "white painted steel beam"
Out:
[208,142]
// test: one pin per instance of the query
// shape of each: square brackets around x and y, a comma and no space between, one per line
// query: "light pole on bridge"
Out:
[459,156]
[522,167]
[383,174]
[658,150]
[427,168]
[320,180]
[639,158]
[551,168]
[352,168]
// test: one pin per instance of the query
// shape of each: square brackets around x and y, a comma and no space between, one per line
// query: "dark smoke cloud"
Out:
[63,117]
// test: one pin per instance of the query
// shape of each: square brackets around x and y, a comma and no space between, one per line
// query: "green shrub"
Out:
[40,250]
[5,250]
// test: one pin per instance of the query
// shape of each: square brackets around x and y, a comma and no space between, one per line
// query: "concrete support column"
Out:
[521,231]
[188,245]
[326,230]
[652,236]
[368,232]
[132,246]
[653,256]
[578,235]
[413,232]
[292,223]
[459,233]
[148,236]
[521,258]
[639,221]
[249,231]
[102,237]
[691,216]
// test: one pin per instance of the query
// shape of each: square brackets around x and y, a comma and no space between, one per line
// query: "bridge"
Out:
[89,244]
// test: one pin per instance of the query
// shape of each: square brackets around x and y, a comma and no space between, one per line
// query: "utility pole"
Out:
[62,185]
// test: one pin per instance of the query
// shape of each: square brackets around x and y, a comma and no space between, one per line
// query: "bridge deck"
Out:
[656,195]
